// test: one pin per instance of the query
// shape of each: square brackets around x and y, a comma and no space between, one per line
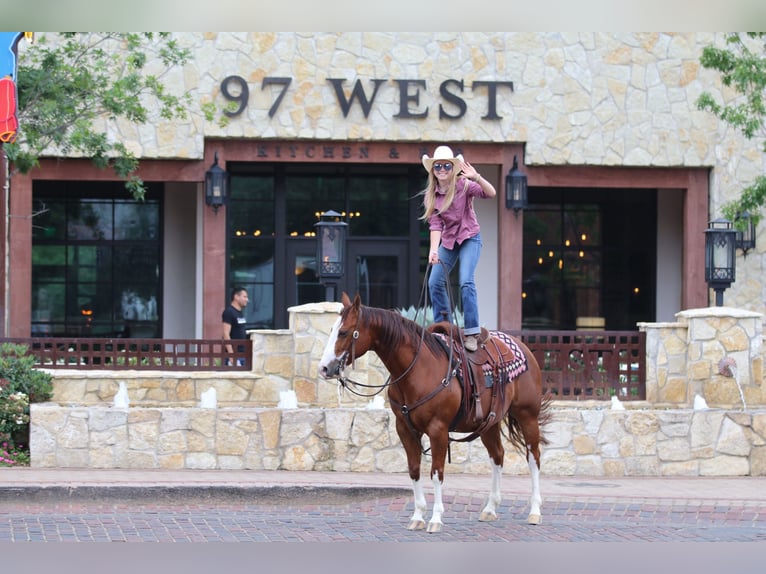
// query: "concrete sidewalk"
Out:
[724,490]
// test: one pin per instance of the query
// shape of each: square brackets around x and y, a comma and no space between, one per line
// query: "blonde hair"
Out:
[429,195]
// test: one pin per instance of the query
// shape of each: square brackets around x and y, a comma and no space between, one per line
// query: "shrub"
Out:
[425,317]
[20,384]
[14,411]
[13,455]
[18,367]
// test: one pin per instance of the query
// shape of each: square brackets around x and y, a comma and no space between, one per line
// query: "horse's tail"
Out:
[514,431]
[545,416]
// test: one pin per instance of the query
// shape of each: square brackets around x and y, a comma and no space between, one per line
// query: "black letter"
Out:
[452,98]
[492,98]
[405,98]
[357,93]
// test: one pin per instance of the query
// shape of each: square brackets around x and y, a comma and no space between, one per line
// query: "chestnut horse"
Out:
[431,393]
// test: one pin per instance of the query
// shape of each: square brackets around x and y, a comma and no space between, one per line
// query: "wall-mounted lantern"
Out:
[216,192]
[746,236]
[515,189]
[720,254]
[331,250]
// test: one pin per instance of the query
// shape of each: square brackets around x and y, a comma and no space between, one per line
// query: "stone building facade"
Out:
[610,114]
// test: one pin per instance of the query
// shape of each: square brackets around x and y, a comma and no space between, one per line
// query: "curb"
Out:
[276,495]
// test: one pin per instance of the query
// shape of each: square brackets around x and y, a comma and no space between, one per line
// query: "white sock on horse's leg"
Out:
[489,513]
[435,524]
[535,501]
[418,521]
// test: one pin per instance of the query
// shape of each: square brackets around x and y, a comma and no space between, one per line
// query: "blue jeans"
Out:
[468,252]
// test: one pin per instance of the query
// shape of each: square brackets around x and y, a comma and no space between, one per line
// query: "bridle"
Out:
[349,384]
[344,361]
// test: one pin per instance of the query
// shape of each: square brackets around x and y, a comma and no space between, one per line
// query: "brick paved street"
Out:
[372,515]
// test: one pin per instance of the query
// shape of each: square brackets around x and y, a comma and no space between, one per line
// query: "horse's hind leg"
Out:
[531,431]
[492,441]
[535,501]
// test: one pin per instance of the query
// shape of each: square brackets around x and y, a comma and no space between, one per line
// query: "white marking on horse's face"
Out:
[328,356]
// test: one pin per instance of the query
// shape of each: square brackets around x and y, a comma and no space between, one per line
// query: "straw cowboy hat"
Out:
[443,153]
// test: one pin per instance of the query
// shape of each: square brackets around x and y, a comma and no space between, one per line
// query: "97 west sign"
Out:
[453,105]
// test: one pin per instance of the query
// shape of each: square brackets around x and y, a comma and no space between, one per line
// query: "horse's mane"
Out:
[396,330]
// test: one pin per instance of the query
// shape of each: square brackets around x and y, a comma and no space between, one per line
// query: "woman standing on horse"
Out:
[455,234]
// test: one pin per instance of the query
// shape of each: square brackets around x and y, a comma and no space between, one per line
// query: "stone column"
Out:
[666,368]
[723,356]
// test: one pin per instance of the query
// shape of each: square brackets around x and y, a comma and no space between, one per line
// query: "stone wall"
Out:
[707,356]
[584,442]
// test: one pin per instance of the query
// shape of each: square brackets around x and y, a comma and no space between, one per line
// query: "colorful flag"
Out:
[9,123]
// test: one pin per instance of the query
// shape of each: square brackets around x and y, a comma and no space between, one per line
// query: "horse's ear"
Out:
[357,301]
[345,300]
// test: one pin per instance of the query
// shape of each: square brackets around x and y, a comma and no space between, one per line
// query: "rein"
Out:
[346,382]
[405,409]
[445,382]
[349,384]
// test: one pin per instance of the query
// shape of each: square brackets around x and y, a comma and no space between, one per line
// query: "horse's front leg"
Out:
[413,448]
[435,524]
[418,518]
[489,512]
[438,456]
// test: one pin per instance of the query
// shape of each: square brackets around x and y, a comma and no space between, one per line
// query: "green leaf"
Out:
[68,82]
[741,64]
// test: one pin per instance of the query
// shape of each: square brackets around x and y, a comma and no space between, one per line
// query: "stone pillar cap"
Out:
[719,312]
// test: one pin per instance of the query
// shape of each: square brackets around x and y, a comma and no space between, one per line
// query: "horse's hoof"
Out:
[434,527]
[534,519]
[487,516]
[416,525]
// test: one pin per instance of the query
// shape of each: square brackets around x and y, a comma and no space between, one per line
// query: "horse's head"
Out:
[345,342]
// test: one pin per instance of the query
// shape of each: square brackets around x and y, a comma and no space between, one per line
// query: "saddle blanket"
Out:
[513,368]
[506,370]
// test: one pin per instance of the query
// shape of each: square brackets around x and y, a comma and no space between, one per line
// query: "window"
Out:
[96,260]
[588,258]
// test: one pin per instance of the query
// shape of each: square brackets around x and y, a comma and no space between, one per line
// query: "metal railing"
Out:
[139,354]
[576,365]
[583,365]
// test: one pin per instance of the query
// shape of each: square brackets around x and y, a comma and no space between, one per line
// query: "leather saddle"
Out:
[500,363]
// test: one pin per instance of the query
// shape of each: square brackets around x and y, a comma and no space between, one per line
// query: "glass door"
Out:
[378,272]
[376,269]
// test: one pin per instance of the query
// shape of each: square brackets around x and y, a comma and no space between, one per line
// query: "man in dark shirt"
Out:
[233,317]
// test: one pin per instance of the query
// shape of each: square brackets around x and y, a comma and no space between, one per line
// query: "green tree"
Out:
[69,81]
[742,65]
